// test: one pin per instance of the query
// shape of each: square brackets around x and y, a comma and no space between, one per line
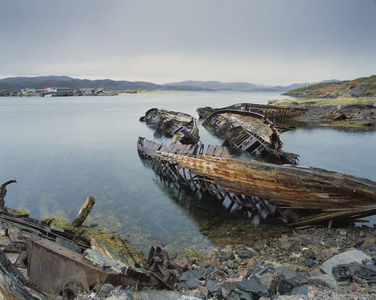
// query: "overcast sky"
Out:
[275,42]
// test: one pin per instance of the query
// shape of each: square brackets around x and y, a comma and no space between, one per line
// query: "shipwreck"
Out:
[39,261]
[270,111]
[298,195]
[170,123]
[250,132]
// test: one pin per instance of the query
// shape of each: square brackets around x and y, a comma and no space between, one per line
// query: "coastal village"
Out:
[58,92]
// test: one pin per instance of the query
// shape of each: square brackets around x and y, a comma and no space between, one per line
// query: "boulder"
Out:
[343,258]
[349,271]
[289,280]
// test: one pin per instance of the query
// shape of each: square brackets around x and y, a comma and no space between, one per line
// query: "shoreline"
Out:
[288,267]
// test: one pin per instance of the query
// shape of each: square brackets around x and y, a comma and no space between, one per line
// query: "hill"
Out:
[234,86]
[360,87]
[15,84]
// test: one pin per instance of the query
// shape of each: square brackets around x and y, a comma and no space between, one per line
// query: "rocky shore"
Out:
[314,263]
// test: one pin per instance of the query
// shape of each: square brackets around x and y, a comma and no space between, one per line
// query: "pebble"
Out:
[287,267]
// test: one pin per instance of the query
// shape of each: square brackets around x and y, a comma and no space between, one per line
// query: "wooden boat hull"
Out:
[250,132]
[270,111]
[174,123]
[330,195]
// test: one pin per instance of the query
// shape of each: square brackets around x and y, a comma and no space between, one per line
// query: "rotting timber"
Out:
[38,261]
[173,123]
[250,132]
[270,111]
[300,195]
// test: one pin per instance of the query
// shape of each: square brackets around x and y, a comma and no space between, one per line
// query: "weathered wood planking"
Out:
[284,186]
[330,195]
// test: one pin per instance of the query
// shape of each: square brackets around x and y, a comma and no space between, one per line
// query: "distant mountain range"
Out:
[14,84]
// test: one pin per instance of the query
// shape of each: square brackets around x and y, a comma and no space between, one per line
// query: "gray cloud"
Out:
[277,42]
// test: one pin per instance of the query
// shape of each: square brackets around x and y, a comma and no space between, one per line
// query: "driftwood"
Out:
[318,195]
[3,191]
[84,212]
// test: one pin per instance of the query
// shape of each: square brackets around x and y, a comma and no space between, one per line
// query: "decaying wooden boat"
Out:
[250,132]
[173,123]
[270,111]
[38,261]
[301,195]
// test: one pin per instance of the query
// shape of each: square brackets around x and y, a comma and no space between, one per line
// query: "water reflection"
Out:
[220,222]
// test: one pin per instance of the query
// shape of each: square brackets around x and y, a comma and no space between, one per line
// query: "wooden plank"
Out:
[210,151]
[284,185]
[218,151]
[225,153]
[181,149]
[192,150]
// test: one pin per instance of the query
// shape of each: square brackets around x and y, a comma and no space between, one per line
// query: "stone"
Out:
[192,283]
[191,274]
[286,245]
[257,270]
[180,260]
[200,291]
[259,245]
[362,234]
[270,281]
[107,264]
[229,264]
[226,256]
[323,280]
[251,286]
[159,295]
[359,242]
[309,263]
[300,290]
[289,279]
[341,231]
[327,253]
[106,289]
[246,254]
[228,283]
[348,271]
[343,258]
[213,287]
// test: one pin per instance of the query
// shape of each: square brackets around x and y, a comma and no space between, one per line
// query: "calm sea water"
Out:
[62,150]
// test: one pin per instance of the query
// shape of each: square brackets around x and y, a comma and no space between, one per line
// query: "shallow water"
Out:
[62,150]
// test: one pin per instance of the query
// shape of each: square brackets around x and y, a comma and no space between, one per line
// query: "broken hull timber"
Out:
[249,132]
[269,111]
[174,123]
[322,196]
